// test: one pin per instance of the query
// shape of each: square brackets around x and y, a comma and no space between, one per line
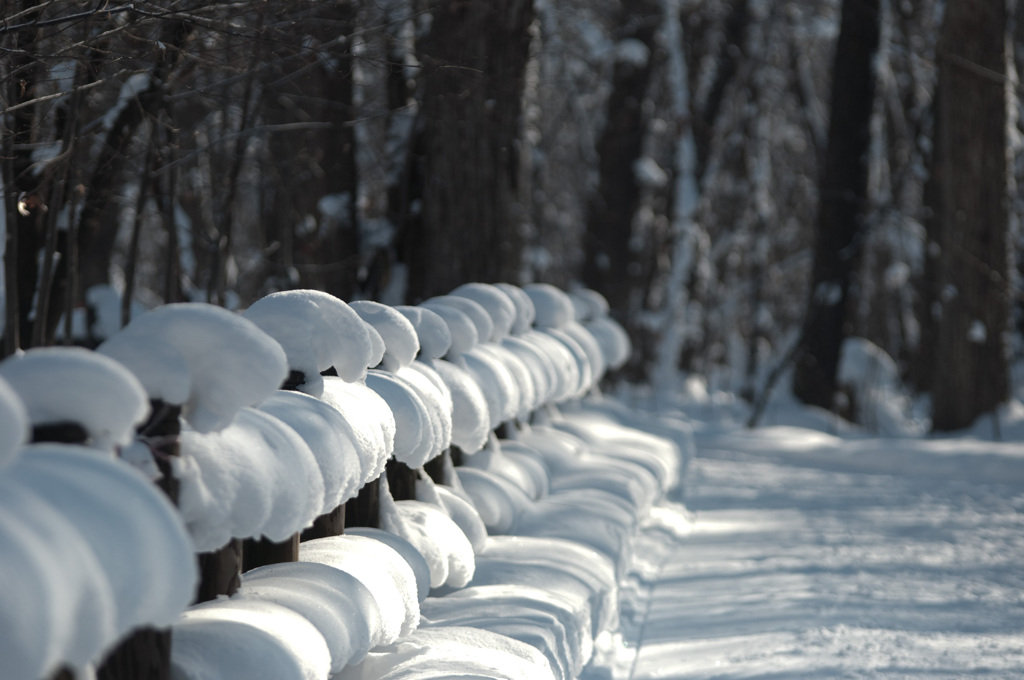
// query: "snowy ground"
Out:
[813,556]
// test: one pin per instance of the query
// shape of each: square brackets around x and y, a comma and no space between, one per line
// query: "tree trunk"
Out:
[970,371]
[474,61]
[842,205]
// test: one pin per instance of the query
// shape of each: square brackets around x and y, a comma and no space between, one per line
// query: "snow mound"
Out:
[496,302]
[515,463]
[407,550]
[72,621]
[584,371]
[471,417]
[476,312]
[242,639]
[461,511]
[539,367]
[461,328]
[613,340]
[590,346]
[588,304]
[498,501]
[570,569]
[452,652]
[223,360]
[497,383]
[330,438]
[434,336]
[436,396]
[383,571]
[557,625]
[371,420]
[563,364]
[553,307]
[525,311]
[432,532]
[416,441]
[317,331]
[14,423]
[256,477]
[873,380]
[145,553]
[401,344]
[335,602]
[71,384]
[33,606]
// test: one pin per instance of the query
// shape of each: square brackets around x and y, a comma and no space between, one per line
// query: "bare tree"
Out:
[842,205]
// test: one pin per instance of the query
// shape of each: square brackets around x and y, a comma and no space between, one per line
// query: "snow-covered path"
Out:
[801,572]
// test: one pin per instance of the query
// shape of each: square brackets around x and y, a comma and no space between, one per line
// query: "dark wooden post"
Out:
[145,654]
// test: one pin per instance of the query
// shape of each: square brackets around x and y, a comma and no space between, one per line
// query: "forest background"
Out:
[750,183]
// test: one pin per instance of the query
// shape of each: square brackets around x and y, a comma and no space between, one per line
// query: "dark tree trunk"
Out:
[842,205]
[474,62]
[611,266]
[970,374]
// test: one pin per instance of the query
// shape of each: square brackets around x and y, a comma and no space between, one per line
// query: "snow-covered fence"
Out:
[505,565]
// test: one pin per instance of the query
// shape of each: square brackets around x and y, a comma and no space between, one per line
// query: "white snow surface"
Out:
[71,384]
[211,361]
[316,331]
[401,343]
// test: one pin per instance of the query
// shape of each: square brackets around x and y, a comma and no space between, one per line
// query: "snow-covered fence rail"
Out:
[306,451]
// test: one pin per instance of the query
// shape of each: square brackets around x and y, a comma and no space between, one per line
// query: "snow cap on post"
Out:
[416,442]
[256,477]
[470,415]
[495,302]
[433,333]
[135,532]
[208,360]
[330,437]
[589,304]
[613,340]
[401,345]
[74,385]
[14,428]
[474,310]
[461,328]
[525,311]
[553,306]
[317,331]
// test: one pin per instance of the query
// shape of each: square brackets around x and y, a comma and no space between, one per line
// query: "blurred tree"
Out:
[613,258]
[842,205]
[969,227]
[470,224]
